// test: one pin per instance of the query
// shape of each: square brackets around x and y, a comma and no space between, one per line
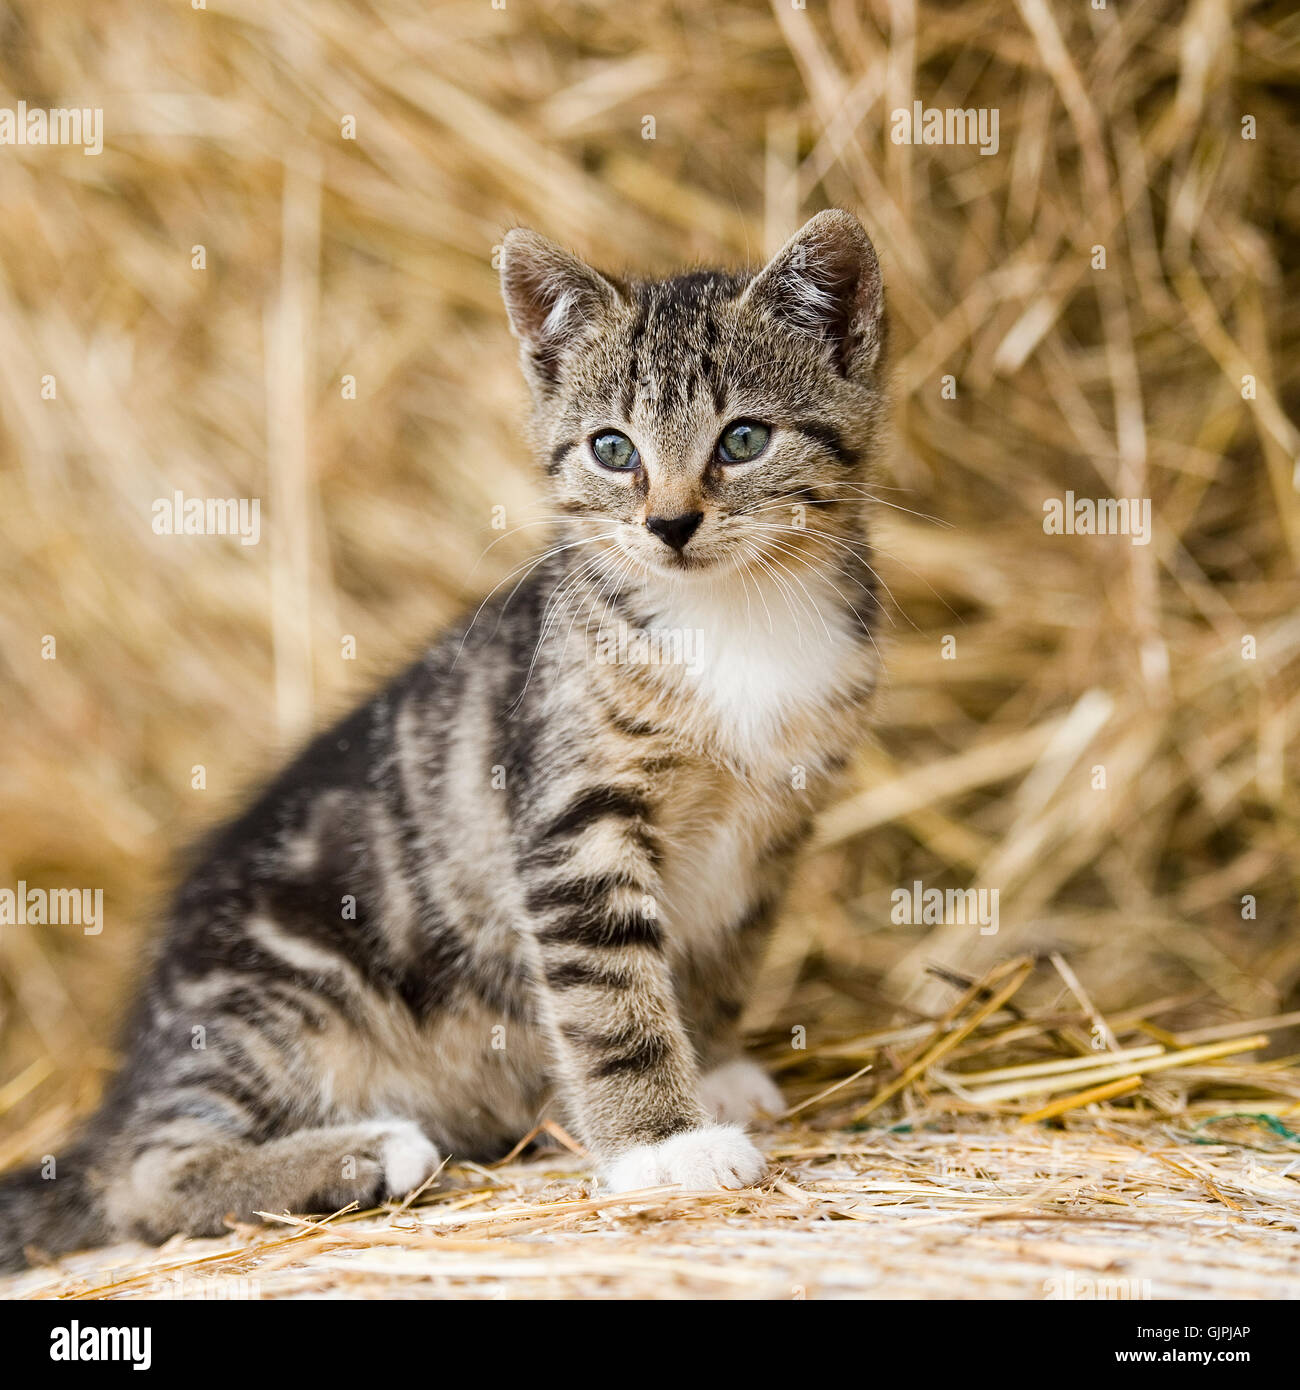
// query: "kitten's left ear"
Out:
[825,282]
[552,297]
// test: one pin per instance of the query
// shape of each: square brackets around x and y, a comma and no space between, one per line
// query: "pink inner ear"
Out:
[549,292]
[827,284]
[532,289]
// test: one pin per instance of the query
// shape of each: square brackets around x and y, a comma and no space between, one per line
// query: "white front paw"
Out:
[710,1157]
[407,1156]
[740,1091]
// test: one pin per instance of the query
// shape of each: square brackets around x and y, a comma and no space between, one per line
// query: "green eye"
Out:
[743,440]
[614,450]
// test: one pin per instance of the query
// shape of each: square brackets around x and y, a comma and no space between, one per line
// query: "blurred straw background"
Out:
[327,258]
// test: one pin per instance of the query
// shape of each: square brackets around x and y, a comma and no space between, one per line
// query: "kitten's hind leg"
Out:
[738,1091]
[196,1187]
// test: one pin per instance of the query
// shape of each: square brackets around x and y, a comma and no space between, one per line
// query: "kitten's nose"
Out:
[675,530]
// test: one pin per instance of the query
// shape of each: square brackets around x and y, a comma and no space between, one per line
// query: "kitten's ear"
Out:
[552,298]
[825,282]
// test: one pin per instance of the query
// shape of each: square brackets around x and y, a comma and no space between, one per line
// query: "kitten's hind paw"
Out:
[406,1156]
[738,1091]
[699,1160]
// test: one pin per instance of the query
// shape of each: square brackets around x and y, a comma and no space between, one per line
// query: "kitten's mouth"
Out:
[665,561]
[685,566]
[678,563]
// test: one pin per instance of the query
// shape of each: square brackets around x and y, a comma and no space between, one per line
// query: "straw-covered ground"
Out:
[277,282]
[971,1214]
[970,1195]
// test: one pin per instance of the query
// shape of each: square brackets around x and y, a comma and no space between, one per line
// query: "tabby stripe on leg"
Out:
[572,892]
[629,1050]
[594,804]
[571,974]
[595,926]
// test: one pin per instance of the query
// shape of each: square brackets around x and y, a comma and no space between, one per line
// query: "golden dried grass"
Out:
[974,1212]
[1186,1196]
[1119,127]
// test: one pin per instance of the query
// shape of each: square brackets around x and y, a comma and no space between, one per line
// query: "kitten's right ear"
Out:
[552,298]
[825,283]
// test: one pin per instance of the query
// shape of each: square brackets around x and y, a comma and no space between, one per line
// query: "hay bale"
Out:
[1024,372]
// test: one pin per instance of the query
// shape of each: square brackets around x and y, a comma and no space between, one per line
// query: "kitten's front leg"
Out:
[605,996]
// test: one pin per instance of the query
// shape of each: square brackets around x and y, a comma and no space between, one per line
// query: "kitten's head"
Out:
[711,421]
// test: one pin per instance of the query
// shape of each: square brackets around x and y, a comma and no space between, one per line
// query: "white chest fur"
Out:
[758,652]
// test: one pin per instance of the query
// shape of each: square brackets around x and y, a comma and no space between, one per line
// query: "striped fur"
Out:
[524,872]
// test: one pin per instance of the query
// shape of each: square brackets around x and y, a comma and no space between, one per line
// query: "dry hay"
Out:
[1191,1194]
[980,1212]
[1119,127]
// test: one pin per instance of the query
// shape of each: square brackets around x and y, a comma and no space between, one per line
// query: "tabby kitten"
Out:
[547,856]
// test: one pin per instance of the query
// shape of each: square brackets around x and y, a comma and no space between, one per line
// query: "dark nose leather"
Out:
[675,530]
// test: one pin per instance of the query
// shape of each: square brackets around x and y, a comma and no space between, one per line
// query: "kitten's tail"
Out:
[49,1210]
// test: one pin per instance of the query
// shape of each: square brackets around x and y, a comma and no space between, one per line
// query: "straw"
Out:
[1102,733]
